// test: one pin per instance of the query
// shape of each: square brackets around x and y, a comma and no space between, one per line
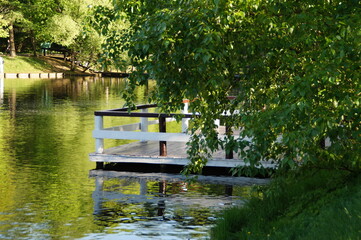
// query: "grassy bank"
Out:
[309,204]
[27,64]
[23,64]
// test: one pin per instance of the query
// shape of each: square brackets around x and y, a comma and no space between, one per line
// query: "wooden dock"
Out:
[162,148]
[148,153]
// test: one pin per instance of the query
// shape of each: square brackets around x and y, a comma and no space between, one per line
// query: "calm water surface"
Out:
[46,191]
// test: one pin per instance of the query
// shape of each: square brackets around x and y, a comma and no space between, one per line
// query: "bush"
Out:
[307,204]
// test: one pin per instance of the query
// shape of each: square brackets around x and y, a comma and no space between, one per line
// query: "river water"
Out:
[49,191]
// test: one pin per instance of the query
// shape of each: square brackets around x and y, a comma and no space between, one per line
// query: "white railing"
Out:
[139,131]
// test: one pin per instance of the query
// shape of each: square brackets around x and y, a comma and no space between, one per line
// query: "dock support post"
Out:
[162,144]
[144,123]
[99,165]
[228,190]
[185,121]
[229,155]
[99,142]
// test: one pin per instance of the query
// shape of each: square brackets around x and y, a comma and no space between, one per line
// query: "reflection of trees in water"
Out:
[36,101]
[45,136]
[46,92]
[43,145]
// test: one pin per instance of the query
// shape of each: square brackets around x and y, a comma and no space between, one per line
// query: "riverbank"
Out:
[307,204]
[41,64]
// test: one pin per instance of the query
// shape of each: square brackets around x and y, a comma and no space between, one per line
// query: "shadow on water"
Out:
[215,171]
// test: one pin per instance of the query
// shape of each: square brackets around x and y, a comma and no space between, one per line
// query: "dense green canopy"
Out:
[297,68]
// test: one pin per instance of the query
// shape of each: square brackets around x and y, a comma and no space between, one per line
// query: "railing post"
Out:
[185,121]
[99,142]
[144,123]
[217,122]
[162,144]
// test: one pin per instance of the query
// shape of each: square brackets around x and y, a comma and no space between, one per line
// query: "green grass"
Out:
[22,64]
[323,204]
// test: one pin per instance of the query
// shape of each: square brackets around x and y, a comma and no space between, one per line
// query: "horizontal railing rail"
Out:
[124,112]
[140,114]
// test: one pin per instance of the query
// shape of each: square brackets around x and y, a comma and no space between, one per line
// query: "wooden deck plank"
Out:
[148,153]
[151,148]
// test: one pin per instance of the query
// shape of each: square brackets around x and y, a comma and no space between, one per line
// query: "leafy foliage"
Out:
[297,68]
[111,25]
[64,29]
[3,25]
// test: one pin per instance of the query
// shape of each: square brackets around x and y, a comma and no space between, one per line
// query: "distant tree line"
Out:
[25,24]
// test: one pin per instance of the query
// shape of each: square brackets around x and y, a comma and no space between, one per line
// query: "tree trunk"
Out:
[33,43]
[12,41]
[72,58]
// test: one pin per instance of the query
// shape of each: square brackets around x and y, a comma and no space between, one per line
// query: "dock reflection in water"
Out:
[161,205]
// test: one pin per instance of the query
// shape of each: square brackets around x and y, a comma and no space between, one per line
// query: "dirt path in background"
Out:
[59,65]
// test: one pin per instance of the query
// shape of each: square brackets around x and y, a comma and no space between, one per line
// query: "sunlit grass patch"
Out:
[23,64]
